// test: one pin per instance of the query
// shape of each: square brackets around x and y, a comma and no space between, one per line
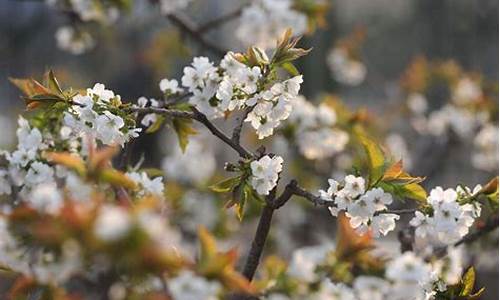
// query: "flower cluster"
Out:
[111,225]
[73,40]
[456,115]
[451,216]
[147,185]
[196,165]
[344,68]
[95,115]
[485,155]
[264,21]
[315,134]
[88,10]
[265,173]
[233,85]
[362,207]
[406,276]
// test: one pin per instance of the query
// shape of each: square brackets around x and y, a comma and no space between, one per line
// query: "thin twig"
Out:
[200,117]
[213,24]
[188,27]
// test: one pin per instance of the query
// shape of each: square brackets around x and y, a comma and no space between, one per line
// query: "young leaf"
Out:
[375,158]
[208,247]
[53,83]
[156,125]
[290,68]
[468,281]
[225,185]
[183,128]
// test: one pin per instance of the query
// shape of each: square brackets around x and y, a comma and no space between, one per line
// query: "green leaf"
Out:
[183,128]
[375,157]
[156,125]
[412,191]
[245,191]
[290,68]
[468,281]
[225,185]
[54,84]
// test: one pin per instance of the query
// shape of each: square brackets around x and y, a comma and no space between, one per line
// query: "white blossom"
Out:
[466,91]
[73,41]
[345,69]
[149,186]
[450,220]
[265,173]
[196,165]
[170,86]
[264,21]
[305,260]
[46,198]
[189,286]
[370,288]
[112,223]
[485,154]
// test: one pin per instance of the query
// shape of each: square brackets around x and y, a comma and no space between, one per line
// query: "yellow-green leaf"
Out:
[156,125]
[468,281]
[208,246]
[375,157]
[54,84]
[414,191]
[183,128]
[225,185]
[117,178]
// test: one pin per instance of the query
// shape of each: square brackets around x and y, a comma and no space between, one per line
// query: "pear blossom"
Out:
[264,21]
[170,86]
[306,259]
[189,286]
[333,291]
[370,288]
[46,198]
[345,69]
[73,41]
[450,220]
[149,186]
[354,186]
[265,173]
[485,153]
[466,91]
[112,223]
[39,173]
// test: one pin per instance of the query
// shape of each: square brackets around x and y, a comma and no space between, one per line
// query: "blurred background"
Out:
[134,54]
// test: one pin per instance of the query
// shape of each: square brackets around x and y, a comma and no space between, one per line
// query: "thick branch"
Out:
[189,28]
[258,243]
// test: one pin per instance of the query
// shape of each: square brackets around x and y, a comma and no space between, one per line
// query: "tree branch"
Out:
[213,24]
[189,28]
[200,117]
[258,243]
[240,120]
